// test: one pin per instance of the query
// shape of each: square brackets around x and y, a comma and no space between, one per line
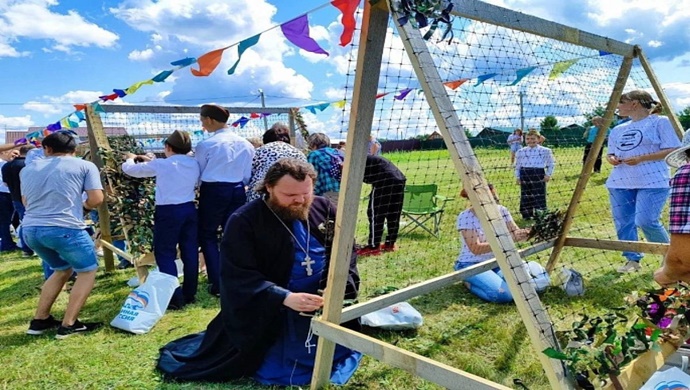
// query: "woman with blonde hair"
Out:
[639,181]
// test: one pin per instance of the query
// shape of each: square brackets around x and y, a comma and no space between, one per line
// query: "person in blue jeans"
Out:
[490,285]
[639,181]
[54,228]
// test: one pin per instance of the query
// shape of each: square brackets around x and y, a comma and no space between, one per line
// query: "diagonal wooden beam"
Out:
[623,74]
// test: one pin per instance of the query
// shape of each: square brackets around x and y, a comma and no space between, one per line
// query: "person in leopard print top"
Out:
[276,146]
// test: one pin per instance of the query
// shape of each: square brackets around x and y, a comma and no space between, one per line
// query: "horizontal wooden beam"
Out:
[117,251]
[424,367]
[612,245]
[504,17]
[360,309]
[113,108]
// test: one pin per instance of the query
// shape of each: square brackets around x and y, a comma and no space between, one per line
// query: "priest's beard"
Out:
[290,212]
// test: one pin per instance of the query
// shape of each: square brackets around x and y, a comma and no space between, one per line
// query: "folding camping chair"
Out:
[422,204]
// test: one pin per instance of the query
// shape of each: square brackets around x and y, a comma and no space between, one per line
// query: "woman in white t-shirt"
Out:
[639,181]
[490,285]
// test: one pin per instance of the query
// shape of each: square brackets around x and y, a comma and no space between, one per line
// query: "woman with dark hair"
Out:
[276,146]
[639,181]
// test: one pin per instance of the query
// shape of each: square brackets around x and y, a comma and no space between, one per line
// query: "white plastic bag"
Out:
[394,317]
[540,278]
[146,304]
[673,378]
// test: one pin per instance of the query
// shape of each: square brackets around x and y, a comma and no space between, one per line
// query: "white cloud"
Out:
[654,43]
[33,19]
[15,122]
[50,106]
[140,55]
[198,26]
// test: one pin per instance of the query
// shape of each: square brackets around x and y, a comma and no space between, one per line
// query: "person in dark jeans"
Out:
[385,204]
[10,175]
[7,244]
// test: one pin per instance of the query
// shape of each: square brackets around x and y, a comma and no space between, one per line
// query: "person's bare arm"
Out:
[6,147]
[93,199]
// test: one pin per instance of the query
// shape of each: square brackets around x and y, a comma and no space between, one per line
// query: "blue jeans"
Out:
[489,286]
[62,248]
[633,208]
[217,201]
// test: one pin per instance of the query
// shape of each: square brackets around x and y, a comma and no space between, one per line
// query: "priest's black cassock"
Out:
[257,255]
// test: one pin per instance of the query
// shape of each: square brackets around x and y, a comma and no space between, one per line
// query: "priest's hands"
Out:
[303,302]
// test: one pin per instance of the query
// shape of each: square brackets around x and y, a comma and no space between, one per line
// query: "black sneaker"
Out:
[78,327]
[37,327]
[213,290]
[124,264]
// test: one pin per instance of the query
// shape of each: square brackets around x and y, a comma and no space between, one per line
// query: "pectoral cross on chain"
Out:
[307,264]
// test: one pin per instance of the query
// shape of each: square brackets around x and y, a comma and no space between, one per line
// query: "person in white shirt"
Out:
[175,220]
[639,181]
[514,143]
[490,285]
[534,165]
[225,161]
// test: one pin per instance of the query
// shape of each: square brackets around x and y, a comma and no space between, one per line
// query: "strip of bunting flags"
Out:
[295,30]
[298,33]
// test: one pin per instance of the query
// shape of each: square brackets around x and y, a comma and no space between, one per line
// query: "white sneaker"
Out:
[99,253]
[630,266]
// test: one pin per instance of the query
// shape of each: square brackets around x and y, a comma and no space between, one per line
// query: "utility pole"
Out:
[522,114]
[263,104]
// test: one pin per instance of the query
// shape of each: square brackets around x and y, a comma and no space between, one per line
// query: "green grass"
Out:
[485,339]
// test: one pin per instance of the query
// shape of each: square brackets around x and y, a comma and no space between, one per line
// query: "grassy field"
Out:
[488,340]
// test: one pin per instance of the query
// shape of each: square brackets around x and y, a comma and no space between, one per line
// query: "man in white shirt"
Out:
[225,161]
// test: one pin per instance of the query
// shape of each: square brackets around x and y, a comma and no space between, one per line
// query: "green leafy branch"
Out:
[131,201]
[547,224]
[599,347]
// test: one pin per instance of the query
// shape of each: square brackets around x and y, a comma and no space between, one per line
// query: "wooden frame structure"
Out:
[537,322]
[98,139]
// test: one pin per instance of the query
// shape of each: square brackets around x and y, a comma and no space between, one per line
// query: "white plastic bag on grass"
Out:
[673,378]
[394,317]
[146,304]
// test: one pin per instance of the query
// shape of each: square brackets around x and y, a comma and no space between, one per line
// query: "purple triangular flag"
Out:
[297,32]
[402,93]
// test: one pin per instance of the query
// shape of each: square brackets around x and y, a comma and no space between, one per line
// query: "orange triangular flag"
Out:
[80,107]
[454,84]
[208,62]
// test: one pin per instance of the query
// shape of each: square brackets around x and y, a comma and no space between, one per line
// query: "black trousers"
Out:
[385,205]
[532,191]
[597,163]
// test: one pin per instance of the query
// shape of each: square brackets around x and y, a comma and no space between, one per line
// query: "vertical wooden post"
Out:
[537,322]
[581,185]
[371,42]
[291,124]
[660,92]
[97,141]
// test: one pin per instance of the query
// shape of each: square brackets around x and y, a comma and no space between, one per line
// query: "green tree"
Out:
[549,123]
[684,117]
[598,111]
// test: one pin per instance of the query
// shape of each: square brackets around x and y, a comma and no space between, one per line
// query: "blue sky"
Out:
[57,53]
